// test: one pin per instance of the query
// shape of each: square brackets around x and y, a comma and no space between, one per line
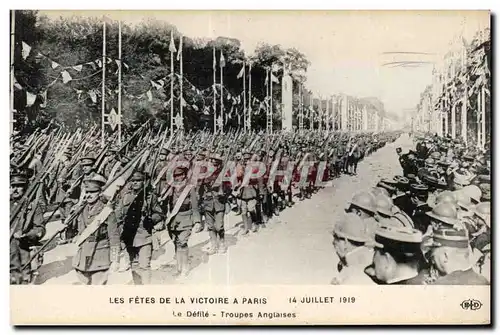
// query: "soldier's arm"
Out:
[114,237]
[37,230]
[195,206]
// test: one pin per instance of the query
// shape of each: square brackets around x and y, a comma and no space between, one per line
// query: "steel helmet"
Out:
[365,200]
[384,204]
[473,192]
[444,212]
[463,200]
[446,197]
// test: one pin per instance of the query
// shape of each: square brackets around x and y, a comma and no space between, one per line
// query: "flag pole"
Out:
[171,85]
[271,114]
[249,97]
[215,92]
[181,83]
[103,99]
[244,98]
[221,92]
[120,83]
[12,49]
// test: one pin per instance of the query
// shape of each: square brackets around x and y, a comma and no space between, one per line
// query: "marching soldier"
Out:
[28,230]
[182,201]
[136,225]
[248,194]
[350,235]
[98,254]
[213,198]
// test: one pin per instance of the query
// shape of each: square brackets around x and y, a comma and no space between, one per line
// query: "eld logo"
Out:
[471,304]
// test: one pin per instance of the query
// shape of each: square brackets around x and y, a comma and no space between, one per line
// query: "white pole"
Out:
[215,91]
[244,98]
[12,49]
[103,99]
[483,118]
[221,96]
[120,83]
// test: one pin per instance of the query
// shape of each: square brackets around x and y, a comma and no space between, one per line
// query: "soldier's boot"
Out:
[124,262]
[184,262]
[290,202]
[245,225]
[198,227]
[253,218]
[144,276]
[213,242]
[222,242]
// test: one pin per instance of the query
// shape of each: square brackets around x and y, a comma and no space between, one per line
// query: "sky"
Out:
[347,49]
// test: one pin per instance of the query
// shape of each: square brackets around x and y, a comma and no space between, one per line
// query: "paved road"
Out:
[295,248]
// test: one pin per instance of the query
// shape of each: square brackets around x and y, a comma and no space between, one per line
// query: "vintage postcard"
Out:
[250,167]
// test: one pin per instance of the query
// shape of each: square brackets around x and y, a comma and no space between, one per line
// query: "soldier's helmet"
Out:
[463,200]
[446,197]
[429,162]
[485,192]
[137,176]
[444,212]
[473,192]
[18,179]
[365,200]
[384,204]
[483,210]
[180,171]
[436,155]
[94,183]
[87,161]
[352,227]
[379,190]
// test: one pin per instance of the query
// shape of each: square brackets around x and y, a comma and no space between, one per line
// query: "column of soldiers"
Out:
[118,231]
[429,226]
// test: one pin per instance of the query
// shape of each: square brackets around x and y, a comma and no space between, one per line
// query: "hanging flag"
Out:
[165,104]
[66,77]
[222,60]
[98,62]
[228,96]
[274,79]
[125,64]
[44,99]
[78,67]
[26,50]
[183,102]
[30,98]
[155,85]
[93,96]
[180,49]
[150,95]
[171,47]
[242,71]
[54,65]
[89,63]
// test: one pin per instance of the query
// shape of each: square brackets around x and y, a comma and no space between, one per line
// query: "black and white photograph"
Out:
[226,148]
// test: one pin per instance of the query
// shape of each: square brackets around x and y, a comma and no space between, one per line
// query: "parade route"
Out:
[294,248]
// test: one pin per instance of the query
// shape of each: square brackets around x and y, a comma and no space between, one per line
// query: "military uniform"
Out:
[100,250]
[28,231]
[182,223]
[136,225]
[213,199]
